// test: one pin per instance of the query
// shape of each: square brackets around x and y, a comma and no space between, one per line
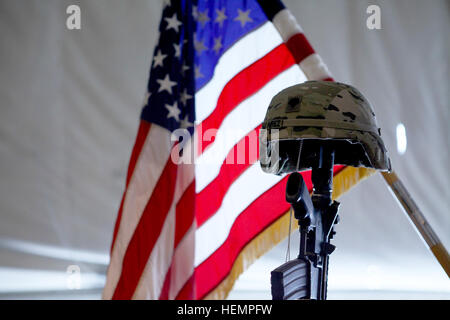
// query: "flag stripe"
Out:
[210,198]
[185,213]
[314,68]
[246,83]
[148,168]
[249,223]
[164,295]
[239,122]
[162,263]
[284,22]
[150,281]
[143,130]
[292,34]
[255,45]
[252,221]
[183,262]
[146,233]
[188,292]
[299,47]
[213,233]
[117,223]
[182,267]
[149,259]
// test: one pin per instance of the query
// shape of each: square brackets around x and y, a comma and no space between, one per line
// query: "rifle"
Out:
[306,276]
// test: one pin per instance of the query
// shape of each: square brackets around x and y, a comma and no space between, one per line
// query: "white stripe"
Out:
[153,275]
[152,279]
[248,187]
[183,262]
[286,24]
[314,67]
[245,117]
[149,166]
[243,53]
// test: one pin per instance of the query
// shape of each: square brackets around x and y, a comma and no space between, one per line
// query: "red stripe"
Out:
[252,221]
[210,198]
[188,290]
[166,286]
[299,46]
[118,219]
[146,233]
[144,128]
[243,85]
[185,212]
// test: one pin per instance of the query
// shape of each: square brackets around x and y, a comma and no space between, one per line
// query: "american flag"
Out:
[186,230]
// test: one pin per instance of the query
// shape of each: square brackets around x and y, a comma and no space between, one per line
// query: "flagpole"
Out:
[418,219]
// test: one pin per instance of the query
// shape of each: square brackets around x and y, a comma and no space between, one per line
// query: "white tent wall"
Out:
[70,102]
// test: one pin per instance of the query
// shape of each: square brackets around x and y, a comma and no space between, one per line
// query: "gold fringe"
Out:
[278,230]
[349,177]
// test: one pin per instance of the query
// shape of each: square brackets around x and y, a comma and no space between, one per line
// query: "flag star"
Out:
[220,16]
[185,123]
[217,44]
[184,68]
[198,74]
[147,96]
[243,17]
[174,112]
[177,50]
[166,84]
[173,23]
[194,12]
[203,17]
[199,46]
[184,97]
[158,59]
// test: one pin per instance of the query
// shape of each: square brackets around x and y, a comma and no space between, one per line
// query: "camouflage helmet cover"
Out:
[314,111]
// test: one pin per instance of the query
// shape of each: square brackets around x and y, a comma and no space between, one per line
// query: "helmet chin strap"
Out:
[299,153]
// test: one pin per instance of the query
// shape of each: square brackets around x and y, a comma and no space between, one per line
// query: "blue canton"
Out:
[193,36]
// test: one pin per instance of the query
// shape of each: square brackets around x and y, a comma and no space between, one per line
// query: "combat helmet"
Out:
[302,117]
